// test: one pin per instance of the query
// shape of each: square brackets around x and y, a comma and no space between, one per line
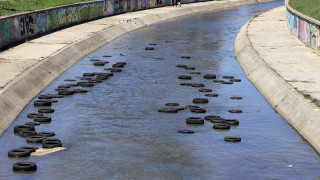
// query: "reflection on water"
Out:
[116,132]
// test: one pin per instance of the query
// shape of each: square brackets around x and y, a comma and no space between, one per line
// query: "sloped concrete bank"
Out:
[292,106]
[17,93]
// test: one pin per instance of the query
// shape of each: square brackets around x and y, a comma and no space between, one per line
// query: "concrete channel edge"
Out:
[292,106]
[19,92]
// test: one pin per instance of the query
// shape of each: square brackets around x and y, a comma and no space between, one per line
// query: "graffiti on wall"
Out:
[26,25]
[73,14]
[62,16]
[41,22]
[313,36]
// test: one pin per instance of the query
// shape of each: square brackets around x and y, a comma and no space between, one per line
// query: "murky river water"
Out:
[116,132]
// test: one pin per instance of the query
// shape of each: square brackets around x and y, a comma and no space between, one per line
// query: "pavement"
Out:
[282,68]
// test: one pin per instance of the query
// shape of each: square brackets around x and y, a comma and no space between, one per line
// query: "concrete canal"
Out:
[114,131]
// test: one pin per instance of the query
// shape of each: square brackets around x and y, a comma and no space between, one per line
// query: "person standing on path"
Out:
[179,3]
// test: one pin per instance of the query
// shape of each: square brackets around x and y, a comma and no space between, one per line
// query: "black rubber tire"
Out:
[211,95]
[235,80]
[27,133]
[186,84]
[232,139]
[95,81]
[195,72]
[72,84]
[51,100]
[20,128]
[51,140]
[197,85]
[117,65]
[235,111]
[46,110]
[218,81]
[51,144]
[210,117]
[98,63]
[198,110]
[44,97]
[218,120]
[85,84]
[221,126]
[64,86]
[86,78]
[236,97]
[149,48]
[116,70]
[185,57]
[18,153]
[88,74]
[152,44]
[35,139]
[210,76]
[205,90]
[102,77]
[181,66]
[70,80]
[42,103]
[168,110]
[65,93]
[61,89]
[226,82]
[32,115]
[106,56]
[57,96]
[95,60]
[47,134]
[186,131]
[194,120]
[24,166]
[32,123]
[228,77]
[172,104]
[232,122]
[42,119]
[200,100]
[185,77]
[190,68]
[80,91]
[188,107]
[31,149]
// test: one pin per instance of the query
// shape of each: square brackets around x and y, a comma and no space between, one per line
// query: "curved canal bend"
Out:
[116,132]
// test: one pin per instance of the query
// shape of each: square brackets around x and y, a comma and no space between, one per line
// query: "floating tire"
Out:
[190,68]
[117,65]
[228,77]
[29,148]
[185,57]
[51,144]
[218,81]
[218,120]
[85,84]
[65,93]
[168,110]
[32,123]
[98,63]
[186,131]
[205,90]
[24,166]
[231,122]
[35,139]
[51,140]
[172,104]
[72,84]
[42,103]
[44,97]
[32,115]
[194,120]
[198,110]
[64,86]
[18,153]
[181,66]
[236,97]
[116,70]
[149,48]
[226,82]
[210,117]
[195,72]
[221,126]
[235,111]
[70,80]
[185,77]
[197,85]
[188,107]
[211,95]
[80,91]
[86,78]
[42,119]
[95,60]
[235,80]
[232,139]
[20,128]
[200,100]
[88,74]
[27,133]
[46,110]
[186,84]
[210,76]
[47,134]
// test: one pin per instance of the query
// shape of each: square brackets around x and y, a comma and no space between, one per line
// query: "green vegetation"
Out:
[307,7]
[8,7]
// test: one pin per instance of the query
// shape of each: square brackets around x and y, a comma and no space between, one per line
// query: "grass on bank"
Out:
[9,7]
[310,8]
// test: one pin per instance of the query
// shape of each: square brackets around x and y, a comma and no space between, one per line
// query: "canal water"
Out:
[116,132]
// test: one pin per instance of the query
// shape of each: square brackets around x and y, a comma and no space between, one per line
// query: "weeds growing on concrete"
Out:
[308,96]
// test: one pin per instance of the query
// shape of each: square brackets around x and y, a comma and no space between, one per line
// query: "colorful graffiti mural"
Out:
[23,26]
[306,31]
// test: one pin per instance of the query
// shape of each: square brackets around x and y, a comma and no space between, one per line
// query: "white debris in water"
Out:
[45,151]
[289,166]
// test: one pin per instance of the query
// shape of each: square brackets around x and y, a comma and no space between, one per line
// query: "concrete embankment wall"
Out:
[19,92]
[301,114]
[305,28]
